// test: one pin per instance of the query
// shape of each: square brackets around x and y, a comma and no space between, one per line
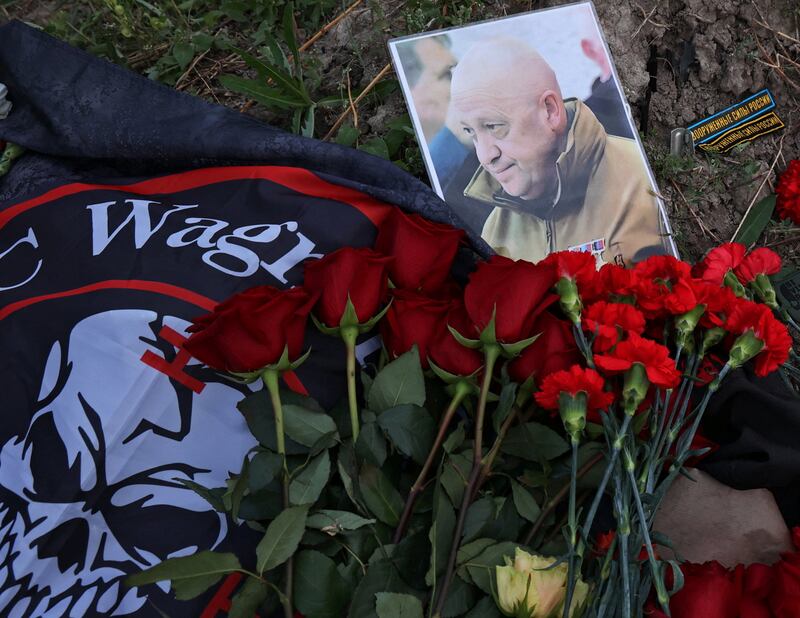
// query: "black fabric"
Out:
[756,422]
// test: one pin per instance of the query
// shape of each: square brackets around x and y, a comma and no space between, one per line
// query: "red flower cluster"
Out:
[750,316]
[756,591]
[788,192]
[573,381]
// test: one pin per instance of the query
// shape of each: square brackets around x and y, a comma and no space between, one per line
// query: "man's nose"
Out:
[487,150]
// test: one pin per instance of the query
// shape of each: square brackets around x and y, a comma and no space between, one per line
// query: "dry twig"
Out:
[703,228]
[340,120]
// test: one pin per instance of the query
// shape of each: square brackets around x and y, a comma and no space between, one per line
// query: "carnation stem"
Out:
[491,354]
[270,379]
[661,592]
[623,531]
[349,335]
[462,389]
[573,529]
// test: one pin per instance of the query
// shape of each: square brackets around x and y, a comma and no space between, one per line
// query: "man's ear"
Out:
[553,107]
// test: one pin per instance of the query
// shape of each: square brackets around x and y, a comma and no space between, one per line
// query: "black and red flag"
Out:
[135,209]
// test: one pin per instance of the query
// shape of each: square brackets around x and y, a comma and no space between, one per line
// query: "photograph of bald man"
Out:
[555,178]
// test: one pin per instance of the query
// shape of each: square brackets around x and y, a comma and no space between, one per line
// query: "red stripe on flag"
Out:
[294,178]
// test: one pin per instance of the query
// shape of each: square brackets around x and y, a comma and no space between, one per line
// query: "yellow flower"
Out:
[529,588]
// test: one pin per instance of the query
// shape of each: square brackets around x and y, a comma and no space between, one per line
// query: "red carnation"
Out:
[572,381]
[660,368]
[755,317]
[554,350]
[616,280]
[580,266]
[360,274]
[719,302]
[656,285]
[709,590]
[412,319]
[720,261]
[514,292]
[608,322]
[760,261]
[788,192]
[423,251]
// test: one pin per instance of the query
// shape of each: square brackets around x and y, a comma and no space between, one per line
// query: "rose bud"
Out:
[423,251]
[357,275]
[554,350]
[252,330]
[504,297]
[414,319]
[532,587]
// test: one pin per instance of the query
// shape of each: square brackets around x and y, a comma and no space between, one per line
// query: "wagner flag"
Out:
[135,209]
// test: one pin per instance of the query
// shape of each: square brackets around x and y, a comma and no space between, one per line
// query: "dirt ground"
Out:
[678,60]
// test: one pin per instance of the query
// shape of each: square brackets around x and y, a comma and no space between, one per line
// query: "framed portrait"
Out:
[526,133]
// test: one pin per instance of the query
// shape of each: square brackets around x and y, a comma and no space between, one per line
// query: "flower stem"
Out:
[573,529]
[491,353]
[270,379]
[623,532]
[349,335]
[462,389]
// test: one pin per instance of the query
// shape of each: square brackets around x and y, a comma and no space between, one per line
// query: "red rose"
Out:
[658,365]
[447,353]
[360,274]
[514,292]
[554,350]
[750,316]
[709,590]
[423,251]
[250,330]
[788,192]
[760,261]
[608,322]
[719,261]
[573,381]
[414,319]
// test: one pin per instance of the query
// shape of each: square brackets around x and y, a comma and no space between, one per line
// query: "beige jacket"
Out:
[603,204]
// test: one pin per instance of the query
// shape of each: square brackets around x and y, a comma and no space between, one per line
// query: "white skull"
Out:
[119,432]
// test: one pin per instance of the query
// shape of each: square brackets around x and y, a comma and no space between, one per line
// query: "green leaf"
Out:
[321,591]
[347,467]
[371,445]
[190,575]
[486,608]
[289,36]
[212,496]
[281,538]
[307,123]
[401,381]
[507,397]
[260,93]
[460,598]
[524,502]
[284,82]
[306,426]
[455,439]
[381,498]
[246,601]
[347,135]
[306,487]
[257,410]
[333,522]
[481,567]
[440,534]
[534,442]
[480,514]
[376,146]
[239,487]
[183,54]
[756,221]
[265,467]
[411,429]
[455,475]
[397,605]
[261,505]
[381,576]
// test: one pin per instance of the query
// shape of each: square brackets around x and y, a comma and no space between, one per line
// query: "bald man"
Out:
[555,178]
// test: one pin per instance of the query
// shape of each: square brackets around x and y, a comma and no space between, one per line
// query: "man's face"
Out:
[431,93]
[513,141]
